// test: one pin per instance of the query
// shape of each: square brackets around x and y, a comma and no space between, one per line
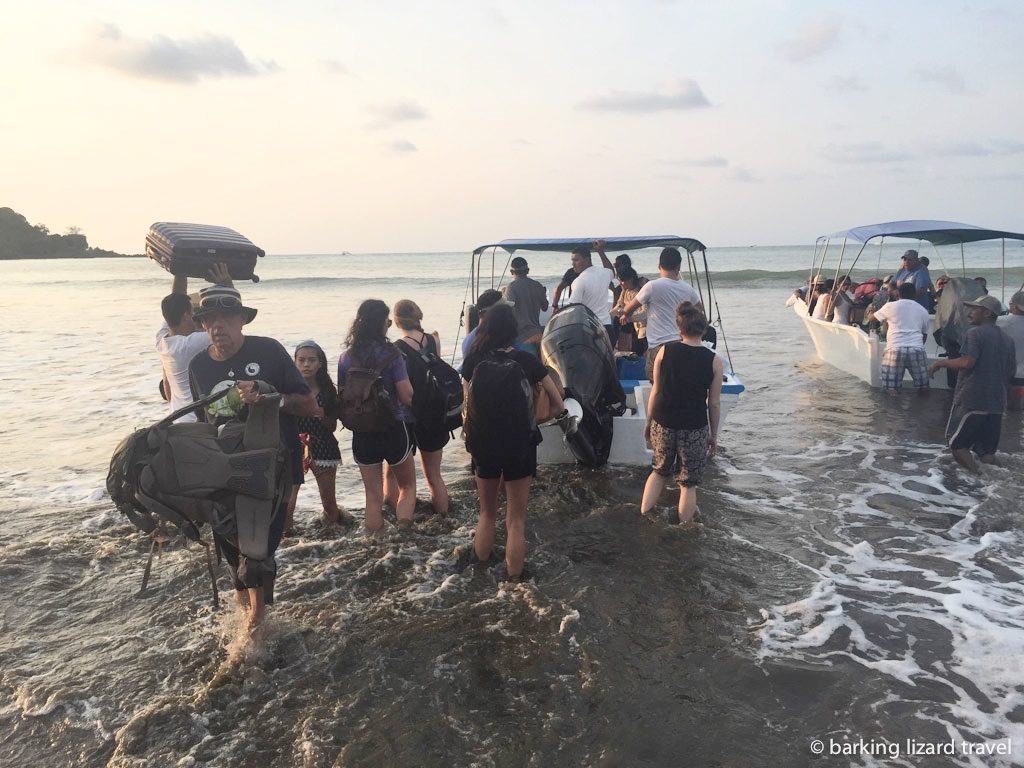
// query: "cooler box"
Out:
[191,249]
[631,368]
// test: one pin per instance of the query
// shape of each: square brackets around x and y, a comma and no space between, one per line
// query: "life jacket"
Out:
[233,478]
[500,411]
[365,405]
[436,386]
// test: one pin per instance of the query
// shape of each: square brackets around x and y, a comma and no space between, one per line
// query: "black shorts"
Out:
[232,555]
[431,436]
[295,460]
[978,431]
[511,466]
[393,446]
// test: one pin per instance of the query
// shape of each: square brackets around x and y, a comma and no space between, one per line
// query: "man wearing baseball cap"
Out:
[530,299]
[914,272]
[1013,326]
[987,364]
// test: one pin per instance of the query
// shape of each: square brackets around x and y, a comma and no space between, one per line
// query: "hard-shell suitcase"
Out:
[191,249]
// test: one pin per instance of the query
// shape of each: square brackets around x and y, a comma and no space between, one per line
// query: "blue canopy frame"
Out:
[934,232]
[567,244]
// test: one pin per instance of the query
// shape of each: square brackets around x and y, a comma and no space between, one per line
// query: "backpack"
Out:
[365,405]
[436,386]
[500,412]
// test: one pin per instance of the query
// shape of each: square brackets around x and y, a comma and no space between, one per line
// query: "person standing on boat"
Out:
[682,421]
[660,297]
[529,299]
[908,323]
[1013,326]
[987,364]
[914,272]
[179,339]
[592,286]
[564,286]
[236,359]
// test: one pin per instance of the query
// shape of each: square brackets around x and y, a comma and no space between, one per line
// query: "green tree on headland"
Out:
[21,240]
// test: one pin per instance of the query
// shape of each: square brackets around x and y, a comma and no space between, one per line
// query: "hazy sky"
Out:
[411,126]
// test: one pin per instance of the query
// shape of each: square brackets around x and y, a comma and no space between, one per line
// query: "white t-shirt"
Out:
[661,297]
[1013,326]
[176,352]
[908,322]
[590,288]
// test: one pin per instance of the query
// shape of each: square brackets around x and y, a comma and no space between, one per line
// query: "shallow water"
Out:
[847,582]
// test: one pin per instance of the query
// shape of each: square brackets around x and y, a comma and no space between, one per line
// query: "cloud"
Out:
[397,112]
[680,95]
[814,38]
[865,152]
[170,60]
[841,84]
[743,175]
[401,146]
[334,67]
[979,149]
[947,77]
[710,161]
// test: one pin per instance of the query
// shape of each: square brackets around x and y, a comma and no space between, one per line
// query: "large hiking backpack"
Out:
[500,411]
[436,386]
[190,474]
[365,405]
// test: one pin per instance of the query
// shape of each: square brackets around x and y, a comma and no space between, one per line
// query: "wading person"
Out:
[234,357]
[430,430]
[908,323]
[324,453]
[987,364]
[383,434]
[682,420]
[501,430]
[1013,326]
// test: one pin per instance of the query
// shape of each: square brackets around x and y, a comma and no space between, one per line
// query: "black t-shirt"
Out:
[531,365]
[260,358]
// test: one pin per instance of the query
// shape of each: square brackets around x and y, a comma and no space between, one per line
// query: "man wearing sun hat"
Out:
[234,359]
[987,364]
[1013,326]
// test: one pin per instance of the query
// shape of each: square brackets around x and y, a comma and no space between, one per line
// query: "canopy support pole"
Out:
[718,314]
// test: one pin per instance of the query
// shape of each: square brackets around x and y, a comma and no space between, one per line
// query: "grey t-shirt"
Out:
[983,387]
[529,296]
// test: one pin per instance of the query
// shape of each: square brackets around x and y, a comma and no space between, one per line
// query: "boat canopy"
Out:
[934,232]
[614,244]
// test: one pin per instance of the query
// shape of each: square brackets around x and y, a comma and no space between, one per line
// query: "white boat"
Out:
[628,445]
[849,348]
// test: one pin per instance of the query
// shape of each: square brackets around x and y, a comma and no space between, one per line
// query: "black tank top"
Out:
[683,383]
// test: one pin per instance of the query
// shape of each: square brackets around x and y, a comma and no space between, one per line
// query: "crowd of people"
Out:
[396,396]
[985,369]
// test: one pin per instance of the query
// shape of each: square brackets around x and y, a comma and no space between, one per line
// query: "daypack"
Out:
[365,404]
[500,411]
[436,386]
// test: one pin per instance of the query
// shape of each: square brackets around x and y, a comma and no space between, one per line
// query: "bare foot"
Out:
[405,525]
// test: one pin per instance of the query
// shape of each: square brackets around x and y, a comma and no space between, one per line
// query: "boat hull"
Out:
[857,353]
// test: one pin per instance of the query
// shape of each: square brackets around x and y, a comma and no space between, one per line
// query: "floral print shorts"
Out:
[680,452]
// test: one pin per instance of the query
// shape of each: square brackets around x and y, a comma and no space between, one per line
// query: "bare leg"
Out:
[988,458]
[404,475]
[431,462]
[652,490]
[518,492]
[326,483]
[483,542]
[257,608]
[289,520]
[965,458]
[687,503]
[390,487]
[373,485]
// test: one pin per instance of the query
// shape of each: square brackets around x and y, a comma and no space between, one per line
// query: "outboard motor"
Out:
[576,347]
[951,316]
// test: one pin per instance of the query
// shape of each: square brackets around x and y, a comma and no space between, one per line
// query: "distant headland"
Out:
[21,240]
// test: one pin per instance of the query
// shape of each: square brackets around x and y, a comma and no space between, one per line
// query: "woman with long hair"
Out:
[431,435]
[636,335]
[499,453]
[324,454]
[683,412]
[367,346]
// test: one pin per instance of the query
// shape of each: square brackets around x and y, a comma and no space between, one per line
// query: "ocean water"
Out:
[849,585]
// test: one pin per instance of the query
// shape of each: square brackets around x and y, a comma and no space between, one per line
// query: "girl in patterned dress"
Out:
[324,455]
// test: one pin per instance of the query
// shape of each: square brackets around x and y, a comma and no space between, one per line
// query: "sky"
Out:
[321,127]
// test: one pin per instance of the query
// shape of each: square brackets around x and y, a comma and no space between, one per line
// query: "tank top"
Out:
[683,383]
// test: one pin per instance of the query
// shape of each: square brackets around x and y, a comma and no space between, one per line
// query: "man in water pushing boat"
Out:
[987,365]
